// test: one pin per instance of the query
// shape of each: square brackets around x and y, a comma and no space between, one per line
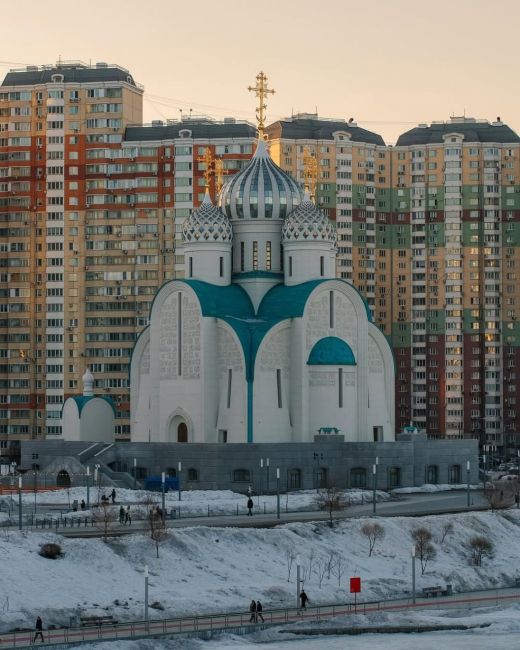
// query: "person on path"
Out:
[39,630]
[304,599]
[128,516]
[252,609]
[113,496]
[83,504]
[250,505]
[122,516]
[259,609]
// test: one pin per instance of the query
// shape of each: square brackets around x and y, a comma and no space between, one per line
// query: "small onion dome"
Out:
[260,191]
[307,223]
[88,383]
[207,223]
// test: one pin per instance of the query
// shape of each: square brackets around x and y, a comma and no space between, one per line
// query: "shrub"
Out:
[50,551]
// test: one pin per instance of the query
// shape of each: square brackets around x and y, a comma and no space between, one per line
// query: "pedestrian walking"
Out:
[122,515]
[250,505]
[259,610]
[39,630]
[83,504]
[128,516]
[304,599]
[113,496]
[252,610]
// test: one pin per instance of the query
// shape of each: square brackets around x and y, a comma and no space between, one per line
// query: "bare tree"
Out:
[481,547]
[515,489]
[104,517]
[447,529]
[497,494]
[373,532]
[321,569]
[332,500]
[155,522]
[423,547]
[158,530]
[330,563]
[289,559]
[339,568]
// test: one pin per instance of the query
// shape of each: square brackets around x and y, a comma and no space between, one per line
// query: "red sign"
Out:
[355,585]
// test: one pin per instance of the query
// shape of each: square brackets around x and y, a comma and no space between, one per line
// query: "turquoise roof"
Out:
[331,351]
[289,302]
[81,400]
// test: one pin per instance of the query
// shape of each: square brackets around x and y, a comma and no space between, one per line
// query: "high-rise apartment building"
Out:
[427,230]
[90,215]
[91,210]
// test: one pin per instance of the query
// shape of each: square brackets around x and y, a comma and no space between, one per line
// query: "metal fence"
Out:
[204,624]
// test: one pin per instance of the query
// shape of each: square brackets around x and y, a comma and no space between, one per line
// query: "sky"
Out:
[389,64]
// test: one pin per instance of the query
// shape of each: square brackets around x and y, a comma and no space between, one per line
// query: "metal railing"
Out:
[231,621]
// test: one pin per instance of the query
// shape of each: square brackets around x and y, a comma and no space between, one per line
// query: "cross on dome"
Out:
[261,90]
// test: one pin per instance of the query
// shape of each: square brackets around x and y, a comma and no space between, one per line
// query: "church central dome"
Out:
[260,191]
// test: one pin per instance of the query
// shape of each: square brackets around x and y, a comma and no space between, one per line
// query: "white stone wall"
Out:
[230,357]
[271,422]
[96,423]
[324,409]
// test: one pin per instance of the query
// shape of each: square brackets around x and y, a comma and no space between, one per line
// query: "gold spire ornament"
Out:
[219,174]
[209,163]
[261,90]
[310,171]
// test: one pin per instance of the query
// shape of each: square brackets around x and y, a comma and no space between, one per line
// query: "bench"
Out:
[89,621]
[433,592]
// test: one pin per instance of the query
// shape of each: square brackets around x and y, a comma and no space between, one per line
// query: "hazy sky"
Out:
[390,64]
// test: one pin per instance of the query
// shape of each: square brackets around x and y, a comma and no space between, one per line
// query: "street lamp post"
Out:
[20,502]
[413,574]
[298,565]
[468,466]
[278,493]
[267,465]
[374,477]
[163,488]
[146,596]
[179,480]
[88,487]
[35,487]
[135,473]
[261,473]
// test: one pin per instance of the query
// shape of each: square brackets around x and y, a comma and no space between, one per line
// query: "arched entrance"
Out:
[63,479]
[182,432]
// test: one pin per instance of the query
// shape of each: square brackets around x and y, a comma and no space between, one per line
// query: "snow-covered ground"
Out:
[202,570]
[193,502]
[430,488]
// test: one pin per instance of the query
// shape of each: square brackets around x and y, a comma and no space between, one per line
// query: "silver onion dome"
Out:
[207,223]
[260,191]
[307,223]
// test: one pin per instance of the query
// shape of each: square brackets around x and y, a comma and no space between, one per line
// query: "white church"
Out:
[260,343]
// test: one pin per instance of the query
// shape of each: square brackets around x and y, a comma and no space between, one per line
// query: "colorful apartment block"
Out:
[91,210]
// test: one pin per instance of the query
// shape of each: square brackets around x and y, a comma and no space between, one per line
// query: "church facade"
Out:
[260,343]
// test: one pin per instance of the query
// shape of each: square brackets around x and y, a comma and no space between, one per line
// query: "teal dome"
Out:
[331,351]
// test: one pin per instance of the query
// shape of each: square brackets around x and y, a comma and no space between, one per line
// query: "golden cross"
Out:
[310,171]
[261,90]
[209,161]
[219,174]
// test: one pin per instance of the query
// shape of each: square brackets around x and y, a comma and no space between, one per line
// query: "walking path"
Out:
[206,624]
